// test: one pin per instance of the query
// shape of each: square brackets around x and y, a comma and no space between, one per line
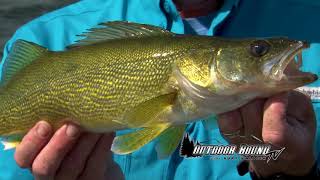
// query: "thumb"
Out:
[274,119]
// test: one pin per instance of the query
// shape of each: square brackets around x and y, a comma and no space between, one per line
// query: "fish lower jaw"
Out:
[290,72]
[288,65]
[293,75]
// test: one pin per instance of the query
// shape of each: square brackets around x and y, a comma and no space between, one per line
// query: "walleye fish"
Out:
[125,75]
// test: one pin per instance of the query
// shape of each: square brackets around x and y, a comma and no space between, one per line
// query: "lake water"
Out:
[14,13]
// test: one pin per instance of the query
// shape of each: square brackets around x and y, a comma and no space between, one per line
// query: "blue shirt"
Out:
[295,19]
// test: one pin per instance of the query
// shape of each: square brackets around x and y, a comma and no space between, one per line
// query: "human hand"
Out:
[67,154]
[284,120]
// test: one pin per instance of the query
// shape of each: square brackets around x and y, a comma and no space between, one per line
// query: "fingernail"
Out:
[43,129]
[72,131]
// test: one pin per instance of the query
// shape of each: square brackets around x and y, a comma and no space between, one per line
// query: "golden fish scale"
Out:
[93,85]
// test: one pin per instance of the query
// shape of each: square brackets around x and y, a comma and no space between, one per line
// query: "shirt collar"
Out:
[223,14]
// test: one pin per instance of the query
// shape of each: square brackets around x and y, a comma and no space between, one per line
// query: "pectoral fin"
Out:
[128,143]
[150,112]
[169,140]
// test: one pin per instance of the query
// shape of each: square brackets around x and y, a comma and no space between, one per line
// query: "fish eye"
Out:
[259,48]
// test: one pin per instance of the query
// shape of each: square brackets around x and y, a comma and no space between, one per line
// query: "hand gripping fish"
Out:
[126,75]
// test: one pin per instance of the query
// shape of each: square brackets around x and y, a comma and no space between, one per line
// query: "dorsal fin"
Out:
[21,55]
[118,30]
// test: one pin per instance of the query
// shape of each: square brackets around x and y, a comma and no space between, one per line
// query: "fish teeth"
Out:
[299,60]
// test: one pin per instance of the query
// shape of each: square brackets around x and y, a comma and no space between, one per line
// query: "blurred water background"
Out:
[14,13]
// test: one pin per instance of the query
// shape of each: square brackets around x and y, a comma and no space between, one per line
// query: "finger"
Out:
[301,116]
[252,114]
[50,157]
[275,125]
[100,164]
[32,143]
[301,122]
[231,126]
[300,107]
[75,161]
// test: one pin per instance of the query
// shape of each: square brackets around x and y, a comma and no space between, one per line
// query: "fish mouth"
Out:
[286,71]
